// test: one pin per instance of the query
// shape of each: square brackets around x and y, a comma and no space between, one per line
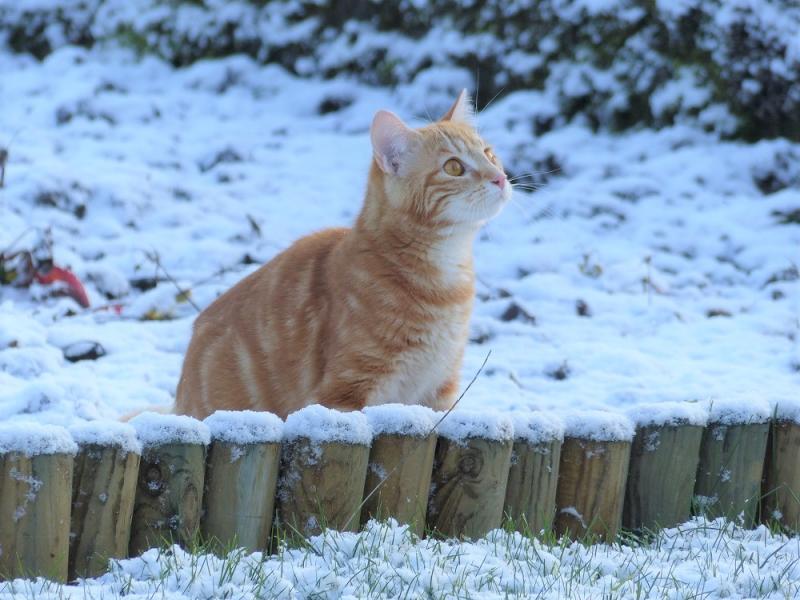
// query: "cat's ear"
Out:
[461,110]
[391,141]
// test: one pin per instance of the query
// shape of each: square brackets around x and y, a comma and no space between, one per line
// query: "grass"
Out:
[700,559]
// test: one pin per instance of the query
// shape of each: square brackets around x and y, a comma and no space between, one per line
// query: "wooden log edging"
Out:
[780,493]
[103,489]
[400,464]
[731,462]
[36,463]
[241,479]
[663,467]
[592,474]
[463,474]
[169,492]
[530,502]
[323,471]
[470,474]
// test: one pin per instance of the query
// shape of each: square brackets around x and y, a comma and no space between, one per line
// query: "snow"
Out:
[669,413]
[106,433]
[461,425]
[537,427]
[401,419]
[700,559]
[321,425]
[684,273]
[33,439]
[244,427]
[156,429]
[598,425]
[733,412]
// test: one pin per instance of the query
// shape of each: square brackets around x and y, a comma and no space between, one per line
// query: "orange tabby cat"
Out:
[374,314]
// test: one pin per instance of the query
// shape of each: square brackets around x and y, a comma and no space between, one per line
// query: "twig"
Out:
[385,478]
[469,385]
[156,259]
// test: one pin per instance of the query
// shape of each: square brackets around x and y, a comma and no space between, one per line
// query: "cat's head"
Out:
[443,173]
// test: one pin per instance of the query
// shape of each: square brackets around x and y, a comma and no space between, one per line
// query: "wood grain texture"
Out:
[169,496]
[532,483]
[729,474]
[591,488]
[661,476]
[468,486]
[239,496]
[34,515]
[103,489]
[781,489]
[321,485]
[399,479]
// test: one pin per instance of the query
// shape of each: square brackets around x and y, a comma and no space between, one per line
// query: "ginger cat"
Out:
[373,314]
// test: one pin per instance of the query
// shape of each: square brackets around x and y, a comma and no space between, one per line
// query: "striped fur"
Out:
[372,314]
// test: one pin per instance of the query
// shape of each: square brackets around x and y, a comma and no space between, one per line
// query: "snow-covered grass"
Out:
[701,559]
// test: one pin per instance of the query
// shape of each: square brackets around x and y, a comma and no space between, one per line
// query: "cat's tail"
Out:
[164,410]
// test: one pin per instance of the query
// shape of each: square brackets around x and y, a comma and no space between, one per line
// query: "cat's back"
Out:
[244,330]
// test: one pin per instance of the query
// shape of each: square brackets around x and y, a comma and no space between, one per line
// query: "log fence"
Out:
[70,501]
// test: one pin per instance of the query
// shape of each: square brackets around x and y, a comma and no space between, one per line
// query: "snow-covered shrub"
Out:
[730,66]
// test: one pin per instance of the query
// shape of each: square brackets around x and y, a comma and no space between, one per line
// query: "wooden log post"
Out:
[241,479]
[530,502]
[732,462]
[470,474]
[400,464]
[103,489]
[169,492]
[36,464]
[323,470]
[780,493]
[592,475]
[781,488]
[663,468]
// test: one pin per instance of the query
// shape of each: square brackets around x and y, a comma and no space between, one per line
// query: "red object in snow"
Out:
[74,286]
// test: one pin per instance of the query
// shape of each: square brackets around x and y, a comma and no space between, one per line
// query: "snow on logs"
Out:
[36,464]
[400,464]
[70,500]
[592,474]
[530,501]
[169,493]
[103,490]
[470,474]
[732,456]
[663,464]
[241,478]
[323,470]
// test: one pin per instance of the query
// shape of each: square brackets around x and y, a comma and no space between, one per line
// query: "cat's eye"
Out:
[454,167]
[490,155]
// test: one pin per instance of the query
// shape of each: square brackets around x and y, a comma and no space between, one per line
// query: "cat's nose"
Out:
[500,180]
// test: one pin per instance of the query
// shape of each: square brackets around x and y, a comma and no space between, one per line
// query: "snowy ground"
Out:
[649,267]
[699,560]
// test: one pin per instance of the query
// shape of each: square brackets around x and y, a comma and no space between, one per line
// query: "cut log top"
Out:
[319,424]
[599,426]
[108,434]
[739,412]
[787,411]
[401,419]
[537,427]
[33,439]
[461,425]
[669,414]
[156,429]
[245,427]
